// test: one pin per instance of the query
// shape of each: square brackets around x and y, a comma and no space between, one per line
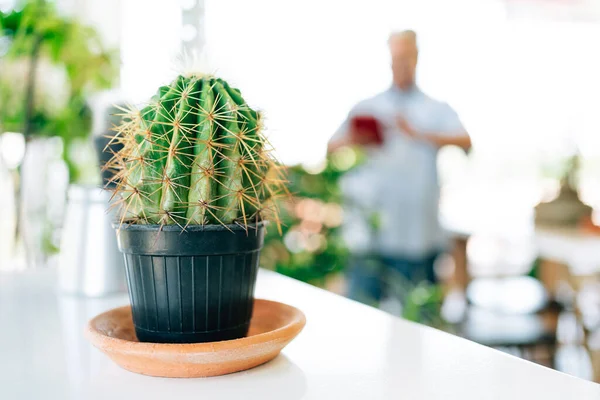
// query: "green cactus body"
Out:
[195,155]
[180,135]
[147,167]
[203,185]
[250,149]
[229,175]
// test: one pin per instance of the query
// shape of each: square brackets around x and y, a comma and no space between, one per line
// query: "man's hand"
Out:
[406,128]
[360,136]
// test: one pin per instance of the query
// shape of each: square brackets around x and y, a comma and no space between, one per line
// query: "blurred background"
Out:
[521,268]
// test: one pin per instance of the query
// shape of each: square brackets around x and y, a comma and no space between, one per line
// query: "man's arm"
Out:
[347,135]
[350,137]
[337,143]
[460,139]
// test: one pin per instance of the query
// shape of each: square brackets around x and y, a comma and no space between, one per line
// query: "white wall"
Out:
[521,86]
[525,88]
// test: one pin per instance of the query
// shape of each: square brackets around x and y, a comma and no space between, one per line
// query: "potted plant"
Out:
[50,64]
[196,184]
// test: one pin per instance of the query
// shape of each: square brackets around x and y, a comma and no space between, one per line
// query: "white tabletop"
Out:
[347,351]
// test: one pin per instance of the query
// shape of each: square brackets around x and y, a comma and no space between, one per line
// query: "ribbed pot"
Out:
[195,285]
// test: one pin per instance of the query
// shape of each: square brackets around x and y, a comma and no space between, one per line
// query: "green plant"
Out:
[50,64]
[311,247]
[422,302]
[195,155]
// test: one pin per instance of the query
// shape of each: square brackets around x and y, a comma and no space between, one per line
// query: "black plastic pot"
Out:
[191,286]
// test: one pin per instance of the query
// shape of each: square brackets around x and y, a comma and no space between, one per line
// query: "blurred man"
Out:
[392,224]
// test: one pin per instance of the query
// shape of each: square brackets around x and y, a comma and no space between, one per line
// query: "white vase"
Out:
[90,263]
[44,179]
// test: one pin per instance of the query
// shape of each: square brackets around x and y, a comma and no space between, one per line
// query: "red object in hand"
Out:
[366,130]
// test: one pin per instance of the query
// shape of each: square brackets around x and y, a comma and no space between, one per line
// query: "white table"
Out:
[572,248]
[347,351]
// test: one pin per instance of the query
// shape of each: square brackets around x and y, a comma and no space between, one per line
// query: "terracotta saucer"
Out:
[272,327]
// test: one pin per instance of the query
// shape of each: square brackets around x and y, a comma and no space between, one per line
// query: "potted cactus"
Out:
[195,186]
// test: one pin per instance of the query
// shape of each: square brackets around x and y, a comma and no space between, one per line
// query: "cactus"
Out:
[195,155]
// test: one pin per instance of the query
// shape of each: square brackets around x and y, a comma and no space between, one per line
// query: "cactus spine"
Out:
[196,155]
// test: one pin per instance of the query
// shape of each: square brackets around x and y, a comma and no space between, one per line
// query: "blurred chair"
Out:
[506,307]
[512,314]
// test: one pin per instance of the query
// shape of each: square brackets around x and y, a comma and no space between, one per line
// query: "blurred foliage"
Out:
[423,303]
[68,62]
[310,247]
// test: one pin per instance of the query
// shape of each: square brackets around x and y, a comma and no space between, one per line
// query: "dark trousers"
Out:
[372,277]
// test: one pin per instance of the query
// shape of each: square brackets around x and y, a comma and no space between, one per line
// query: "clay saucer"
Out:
[272,327]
